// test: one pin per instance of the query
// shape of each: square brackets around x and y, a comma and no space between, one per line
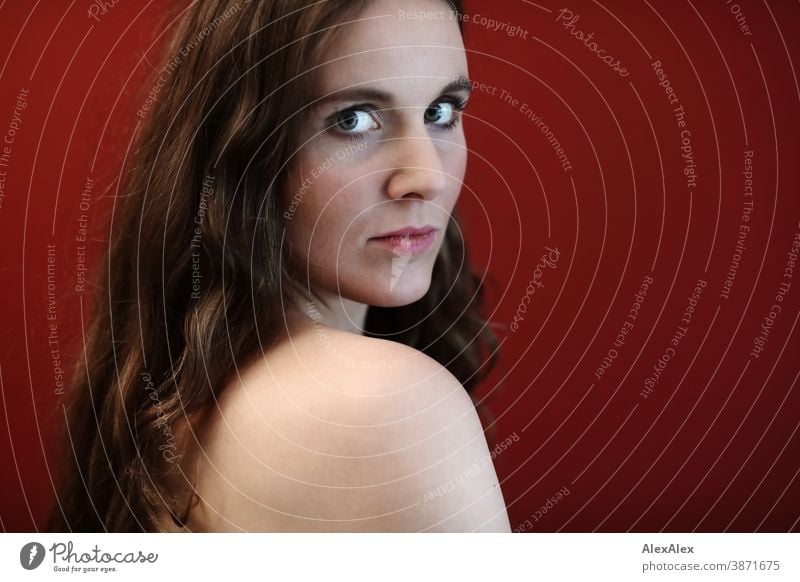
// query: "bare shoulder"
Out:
[347,433]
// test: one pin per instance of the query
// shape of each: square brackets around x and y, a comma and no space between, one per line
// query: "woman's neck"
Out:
[330,310]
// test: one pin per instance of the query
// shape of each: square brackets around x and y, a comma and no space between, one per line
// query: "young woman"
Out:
[287,327]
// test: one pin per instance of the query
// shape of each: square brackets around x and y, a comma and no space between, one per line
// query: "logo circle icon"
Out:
[31,555]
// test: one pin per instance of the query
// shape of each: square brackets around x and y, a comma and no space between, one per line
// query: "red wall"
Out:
[714,446]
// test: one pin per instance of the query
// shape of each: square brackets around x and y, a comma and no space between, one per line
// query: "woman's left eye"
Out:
[442,114]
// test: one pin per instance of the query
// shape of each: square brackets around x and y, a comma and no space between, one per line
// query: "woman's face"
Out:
[370,193]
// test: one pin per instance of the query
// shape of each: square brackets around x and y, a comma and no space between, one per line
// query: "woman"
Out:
[287,324]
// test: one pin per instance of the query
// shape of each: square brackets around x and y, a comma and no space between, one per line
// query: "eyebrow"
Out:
[373,94]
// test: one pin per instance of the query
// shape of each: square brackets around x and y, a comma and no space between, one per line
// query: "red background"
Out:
[714,447]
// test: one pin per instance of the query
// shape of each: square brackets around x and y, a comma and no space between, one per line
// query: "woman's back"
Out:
[332,431]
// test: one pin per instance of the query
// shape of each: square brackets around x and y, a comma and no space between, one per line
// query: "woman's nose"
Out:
[416,169]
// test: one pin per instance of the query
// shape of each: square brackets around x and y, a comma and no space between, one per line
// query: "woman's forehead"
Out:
[383,45]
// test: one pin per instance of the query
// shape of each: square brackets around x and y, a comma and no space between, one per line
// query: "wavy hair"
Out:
[233,84]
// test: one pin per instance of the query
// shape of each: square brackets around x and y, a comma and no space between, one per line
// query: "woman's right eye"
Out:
[353,121]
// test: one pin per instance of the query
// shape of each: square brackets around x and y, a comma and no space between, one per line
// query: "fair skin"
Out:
[334,431]
[383,149]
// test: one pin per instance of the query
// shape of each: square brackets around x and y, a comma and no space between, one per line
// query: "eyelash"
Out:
[458,103]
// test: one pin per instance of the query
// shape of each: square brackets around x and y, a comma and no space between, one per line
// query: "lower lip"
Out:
[410,244]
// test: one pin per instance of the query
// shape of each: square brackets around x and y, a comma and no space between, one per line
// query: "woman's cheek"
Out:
[332,215]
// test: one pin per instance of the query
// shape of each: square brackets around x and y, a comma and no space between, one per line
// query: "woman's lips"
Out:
[407,241]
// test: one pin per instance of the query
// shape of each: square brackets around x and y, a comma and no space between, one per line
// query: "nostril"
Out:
[418,170]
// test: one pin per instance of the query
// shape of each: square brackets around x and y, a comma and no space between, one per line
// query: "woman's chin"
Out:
[400,290]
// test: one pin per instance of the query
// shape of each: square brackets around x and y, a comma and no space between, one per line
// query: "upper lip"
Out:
[408,231]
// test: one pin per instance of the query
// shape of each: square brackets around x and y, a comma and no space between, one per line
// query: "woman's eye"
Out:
[354,121]
[442,113]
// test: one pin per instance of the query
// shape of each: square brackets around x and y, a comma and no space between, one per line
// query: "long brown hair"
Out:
[163,341]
